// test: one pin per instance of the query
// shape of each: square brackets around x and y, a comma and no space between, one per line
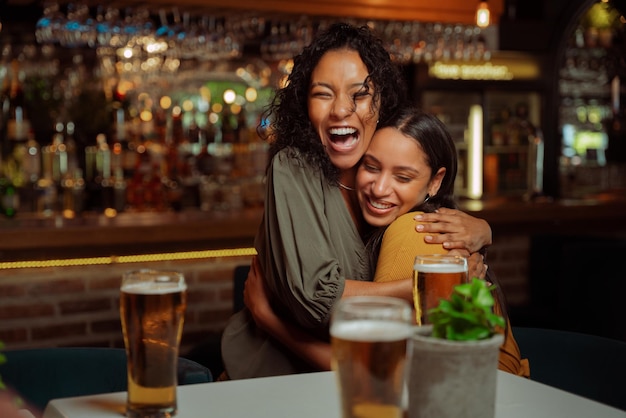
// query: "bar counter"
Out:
[60,277]
[28,237]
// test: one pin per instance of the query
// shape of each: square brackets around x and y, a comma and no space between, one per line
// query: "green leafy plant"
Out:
[468,314]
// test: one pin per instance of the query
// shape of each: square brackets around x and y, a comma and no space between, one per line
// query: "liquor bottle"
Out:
[47,197]
[73,187]
[5,145]
[32,172]
[104,176]
[17,129]
[98,182]
[58,151]
[498,127]
[229,127]
[534,174]
[9,198]
[123,156]
[46,188]
[515,126]
[119,190]
[92,194]
[71,149]
[18,124]
[171,177]
[32,159]
[242,133]
[205,163]
[616,127]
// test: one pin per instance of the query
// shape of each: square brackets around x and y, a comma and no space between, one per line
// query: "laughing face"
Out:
[394,177]
[341,107]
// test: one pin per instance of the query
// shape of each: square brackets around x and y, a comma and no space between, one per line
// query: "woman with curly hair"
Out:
[310,243]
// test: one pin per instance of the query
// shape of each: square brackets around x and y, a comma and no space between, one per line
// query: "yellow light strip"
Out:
[125,259]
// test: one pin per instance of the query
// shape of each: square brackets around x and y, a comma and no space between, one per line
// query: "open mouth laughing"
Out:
[343,138]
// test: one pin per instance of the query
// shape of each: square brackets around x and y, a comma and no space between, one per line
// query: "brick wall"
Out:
[508,258]
[78,306]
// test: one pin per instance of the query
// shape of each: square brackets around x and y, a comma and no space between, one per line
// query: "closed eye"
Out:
[320,94]
[360,95]
[370,168]
[404,179]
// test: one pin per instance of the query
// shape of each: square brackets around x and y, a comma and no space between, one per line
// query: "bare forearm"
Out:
[314,351]
[398,288]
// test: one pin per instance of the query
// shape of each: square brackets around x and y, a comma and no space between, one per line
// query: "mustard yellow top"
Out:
[401,243]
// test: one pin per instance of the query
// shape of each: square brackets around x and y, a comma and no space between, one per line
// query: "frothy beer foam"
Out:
[370,330]
[153,288]
[439,268]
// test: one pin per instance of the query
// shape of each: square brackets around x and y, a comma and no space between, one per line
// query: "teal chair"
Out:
[588,365]
[209,351]
[240,275]
[42,374]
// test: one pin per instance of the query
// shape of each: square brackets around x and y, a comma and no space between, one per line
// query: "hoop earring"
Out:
[427,198]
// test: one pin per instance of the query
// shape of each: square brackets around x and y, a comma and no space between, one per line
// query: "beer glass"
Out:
[434,278]
[152,309]
[369,336]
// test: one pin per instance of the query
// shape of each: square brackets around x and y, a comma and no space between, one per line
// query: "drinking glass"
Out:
[369,336]
[434,278]
[152,309]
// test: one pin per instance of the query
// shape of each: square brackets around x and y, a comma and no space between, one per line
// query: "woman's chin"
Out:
[379,220]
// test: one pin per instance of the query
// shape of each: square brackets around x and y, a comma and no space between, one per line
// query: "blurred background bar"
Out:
[129,136]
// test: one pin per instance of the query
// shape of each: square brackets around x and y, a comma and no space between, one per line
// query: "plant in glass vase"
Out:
[454,361]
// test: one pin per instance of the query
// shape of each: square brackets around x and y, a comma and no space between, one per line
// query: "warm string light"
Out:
[482,14]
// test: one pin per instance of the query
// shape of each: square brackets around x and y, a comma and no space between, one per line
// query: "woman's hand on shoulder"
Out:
[455,229]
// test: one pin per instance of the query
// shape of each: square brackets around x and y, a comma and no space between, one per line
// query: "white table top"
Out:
[315,395]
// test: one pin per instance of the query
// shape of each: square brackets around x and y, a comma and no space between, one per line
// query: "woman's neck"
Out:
[347,179]
[347,182]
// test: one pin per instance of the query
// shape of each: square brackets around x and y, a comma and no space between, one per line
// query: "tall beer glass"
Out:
[152,309]
[369,338]
[434,278]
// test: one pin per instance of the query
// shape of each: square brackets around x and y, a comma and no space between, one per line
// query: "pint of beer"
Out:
[434,277]
[369,338]
[152,309]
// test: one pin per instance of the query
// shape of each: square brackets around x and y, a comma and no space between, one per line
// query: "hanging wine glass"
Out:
[189,43]
[48,28]
[79,29]
[230,45]
[202,38]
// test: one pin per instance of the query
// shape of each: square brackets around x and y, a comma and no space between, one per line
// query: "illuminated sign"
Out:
[486,71]
[501,68]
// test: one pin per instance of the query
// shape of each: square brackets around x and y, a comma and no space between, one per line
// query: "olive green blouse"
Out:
[308,246]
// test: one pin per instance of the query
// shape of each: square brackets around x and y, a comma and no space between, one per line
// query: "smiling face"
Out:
[341,107]
[394,177]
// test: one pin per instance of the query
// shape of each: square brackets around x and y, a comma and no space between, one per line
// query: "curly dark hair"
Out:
[288,110]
